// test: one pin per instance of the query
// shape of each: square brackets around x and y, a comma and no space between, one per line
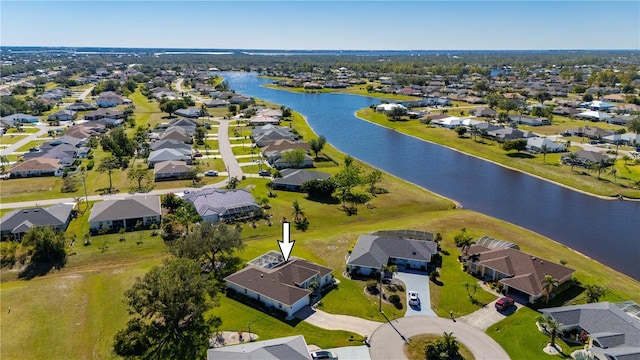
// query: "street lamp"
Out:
[380,291]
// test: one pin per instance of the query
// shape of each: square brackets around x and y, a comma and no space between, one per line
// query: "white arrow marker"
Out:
[285,245]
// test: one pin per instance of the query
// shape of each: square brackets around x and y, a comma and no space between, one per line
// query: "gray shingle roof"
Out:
[290,348]
[222,203]
[296,177]
[605,322]
[373,251]
[21,220]
[133,207]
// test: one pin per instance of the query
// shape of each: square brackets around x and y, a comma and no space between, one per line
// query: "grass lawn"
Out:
[519,336]
[415,349]
[31,144]
[547,167]
[452,294]
[9,139]
[360,89]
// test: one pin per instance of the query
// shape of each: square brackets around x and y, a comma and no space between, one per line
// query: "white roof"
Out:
[389,107]
[539,141]
[594,114]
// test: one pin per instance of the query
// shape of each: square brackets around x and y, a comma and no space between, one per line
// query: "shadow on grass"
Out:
[520,156]
[39,269]
[437,282]
[323,200]
[560,299]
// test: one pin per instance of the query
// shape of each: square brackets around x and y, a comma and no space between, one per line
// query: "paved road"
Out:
[178,85]
[230,161]
[328,321]
[85,93]
[387,341]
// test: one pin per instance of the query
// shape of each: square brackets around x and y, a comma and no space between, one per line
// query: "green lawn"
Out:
[546,167]
[31,144]
[9,139]
[519,336]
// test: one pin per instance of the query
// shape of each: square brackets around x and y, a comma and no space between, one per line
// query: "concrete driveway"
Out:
[328,321]
[487,315]
[420,284]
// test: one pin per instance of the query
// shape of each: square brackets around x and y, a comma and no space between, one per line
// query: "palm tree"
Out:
[544,150]
[389,269]
[298,211]
[548,285]
[472,288]
[573,157]
[451,344]
[3,161]
[593,293]
[613,171]
[551,325]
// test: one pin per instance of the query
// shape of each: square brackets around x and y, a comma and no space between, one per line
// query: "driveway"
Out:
[328,321]
[420,284]
[487,316]
[351,352]
[387,342]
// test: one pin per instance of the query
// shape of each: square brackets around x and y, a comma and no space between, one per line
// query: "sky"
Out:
[324,25]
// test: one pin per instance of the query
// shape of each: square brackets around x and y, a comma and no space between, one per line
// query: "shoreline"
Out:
[504,166]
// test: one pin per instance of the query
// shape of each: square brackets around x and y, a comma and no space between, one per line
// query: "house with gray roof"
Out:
[290,348]
[170,154]
[391,248]
[613,332]
[192,112]
[112,215]
[278,284]
[535,144]
[223,205]
[63,115]
[292,179]
[522,274]
[170,170]
[15,223]
[586,159]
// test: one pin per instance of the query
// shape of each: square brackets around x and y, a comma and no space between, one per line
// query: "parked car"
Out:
[264,173]
[323,354]
[414,300]
[198,155]
[211,173]
[504,303]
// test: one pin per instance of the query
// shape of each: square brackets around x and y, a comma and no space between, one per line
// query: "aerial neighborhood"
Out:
[148,173]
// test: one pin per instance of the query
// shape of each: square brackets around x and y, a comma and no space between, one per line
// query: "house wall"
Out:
[211,218]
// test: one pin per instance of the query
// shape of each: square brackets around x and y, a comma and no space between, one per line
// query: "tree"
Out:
[634,125]
[118,144]
[503,117]
[508,105]
[347,179]
[598,166]
[317,144]
[587,97]
[200,134]
[517,144]
[168,307]
[170,106]
[593,293]
[294,157]
[140,176]
[472,288]
[464,240]
[107,165]
[461,130]
[573,157]
[70,184]
[613,171]
[4,160]
[396,113]
[444,348]
[321,189]
[545,150]
[551,326]
[298,211]
[233,182]
[211,245]
[372,180]
[46,246]
[171,201]
[548,285]
[542,96]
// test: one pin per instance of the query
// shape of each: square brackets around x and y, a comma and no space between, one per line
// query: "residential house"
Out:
[586,159]
[387,108]
[14,119]
[621,120]
[178,134]
[109,99]
[219,205]
[81,107]
[631,139]
[264,138]
[597,105]
[278,284]
[591,132]
[565,111]
[239,99]
[527,120]
[285,144]
[192,112]
[214,103]
[260,120]
[63,115]
[405,249]
[505,134]
[170,170]
[278,162]
[171,144]
[449,122]
[290,348]
[522,274]
[36,167]
[161,155]
[484,112]
[105,113]
[127,213]
[614,98]
[535,144]
[611,330]
[627,108]
[593,115]
[16,222]
[292,179]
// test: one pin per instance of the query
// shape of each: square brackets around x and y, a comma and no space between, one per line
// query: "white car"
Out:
[211,173]
[323,354]
[414,300]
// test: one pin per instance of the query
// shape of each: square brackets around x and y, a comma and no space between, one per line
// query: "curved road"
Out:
[387,342]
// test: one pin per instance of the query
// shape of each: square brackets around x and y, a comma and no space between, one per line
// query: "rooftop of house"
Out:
[375,250]
[132,207]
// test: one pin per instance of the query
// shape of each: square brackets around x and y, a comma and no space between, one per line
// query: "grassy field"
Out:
[84,300]
[9,139]
[546,167]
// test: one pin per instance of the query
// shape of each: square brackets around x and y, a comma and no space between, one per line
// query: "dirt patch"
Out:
[332,247]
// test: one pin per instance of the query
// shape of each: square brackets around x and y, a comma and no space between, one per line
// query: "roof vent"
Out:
[413,252]
[533,258]
[261,275]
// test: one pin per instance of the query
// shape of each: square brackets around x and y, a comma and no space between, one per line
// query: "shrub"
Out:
[90,164]
[394,299]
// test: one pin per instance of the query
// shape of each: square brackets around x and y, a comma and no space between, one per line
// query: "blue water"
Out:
[606,230]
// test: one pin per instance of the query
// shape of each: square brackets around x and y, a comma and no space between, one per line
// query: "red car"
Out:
[504,303]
